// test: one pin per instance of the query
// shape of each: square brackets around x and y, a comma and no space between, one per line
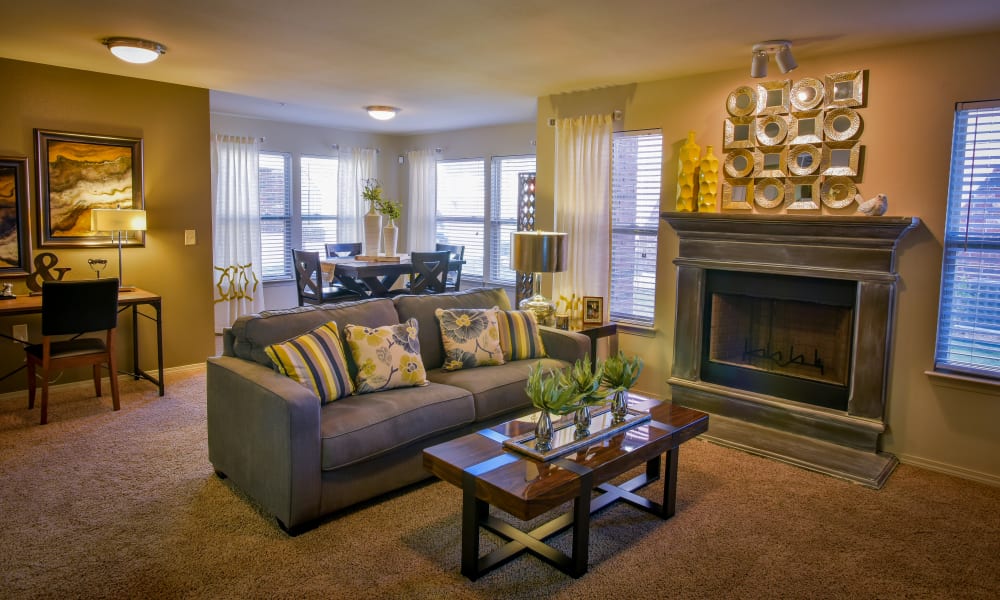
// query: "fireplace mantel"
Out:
[857,248]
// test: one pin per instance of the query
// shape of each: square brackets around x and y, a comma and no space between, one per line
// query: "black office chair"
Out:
[430,272]
[73,308]
[454,275]
[343,250]
[309,281]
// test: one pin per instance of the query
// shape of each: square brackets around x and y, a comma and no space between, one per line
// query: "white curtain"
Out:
[354,166]
[422,205]
[238,276]
[583,204]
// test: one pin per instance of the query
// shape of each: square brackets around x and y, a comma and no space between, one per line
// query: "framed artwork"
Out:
[593,310]
[15,237]
[78,173]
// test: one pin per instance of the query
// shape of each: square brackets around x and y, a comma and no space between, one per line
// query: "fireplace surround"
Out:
[809,277]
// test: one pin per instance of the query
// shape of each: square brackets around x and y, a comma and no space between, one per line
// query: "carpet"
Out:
[103,504]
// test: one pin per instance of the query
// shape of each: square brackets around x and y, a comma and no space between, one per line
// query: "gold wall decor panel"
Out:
[841,158]
[769,192]
[804,159]
[837,192]
[802,193]
[807,94]
[742,101]
[845,89]
[841,124]
[772,130]
[770,161]
[772,97]
[737,194]
[738,133]
[805,127]
[739,163]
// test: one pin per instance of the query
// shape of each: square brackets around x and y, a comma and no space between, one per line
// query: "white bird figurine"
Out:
[875,207]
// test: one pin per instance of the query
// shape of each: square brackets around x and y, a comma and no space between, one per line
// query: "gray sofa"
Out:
[299,460]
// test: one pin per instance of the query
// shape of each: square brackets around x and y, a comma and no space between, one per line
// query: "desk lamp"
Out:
[538,252]
[118,221]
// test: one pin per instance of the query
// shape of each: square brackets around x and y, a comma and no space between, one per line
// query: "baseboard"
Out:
[940,467]
[88,383]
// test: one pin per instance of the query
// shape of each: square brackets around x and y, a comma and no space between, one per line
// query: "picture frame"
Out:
[593,310]
[15,233]
[79,172]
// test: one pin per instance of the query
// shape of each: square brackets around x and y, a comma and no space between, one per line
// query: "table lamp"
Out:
[118,221]
[538,252]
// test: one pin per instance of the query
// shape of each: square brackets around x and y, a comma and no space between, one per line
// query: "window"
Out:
[461,207]
[319,202]
[636,165]
[275,186]
[503,213]
[969,315]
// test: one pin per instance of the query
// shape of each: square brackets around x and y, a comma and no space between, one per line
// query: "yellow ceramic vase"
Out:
[686,181]
[708,182]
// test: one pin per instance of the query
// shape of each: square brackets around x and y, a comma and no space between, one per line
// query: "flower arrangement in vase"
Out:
[550,397]
[372,193]
[585,382]
[619,374]
[390,233]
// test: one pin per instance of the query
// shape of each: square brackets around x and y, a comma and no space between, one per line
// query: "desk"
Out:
[370,278]
[26,305]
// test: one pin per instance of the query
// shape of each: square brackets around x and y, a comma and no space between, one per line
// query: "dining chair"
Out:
[309,281]
[454,275]
[73,308]
[430,272]
[343,249]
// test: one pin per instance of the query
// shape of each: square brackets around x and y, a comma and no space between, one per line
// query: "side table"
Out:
[596,332]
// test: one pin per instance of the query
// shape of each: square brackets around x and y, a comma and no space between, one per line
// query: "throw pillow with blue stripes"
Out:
[317,361]
[520,337]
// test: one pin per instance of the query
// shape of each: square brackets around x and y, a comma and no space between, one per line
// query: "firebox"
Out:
[779,335]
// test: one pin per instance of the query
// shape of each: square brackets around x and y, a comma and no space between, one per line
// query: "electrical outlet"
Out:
[190,238]
[20,332]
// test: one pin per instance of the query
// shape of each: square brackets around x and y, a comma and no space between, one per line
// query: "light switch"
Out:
[190,239]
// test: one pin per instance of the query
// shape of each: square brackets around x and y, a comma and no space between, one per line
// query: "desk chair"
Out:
[430,272]
[74,308]
[309,281]
[343,250]
[454,275]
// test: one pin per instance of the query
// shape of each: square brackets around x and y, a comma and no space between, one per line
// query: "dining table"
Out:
[371,276]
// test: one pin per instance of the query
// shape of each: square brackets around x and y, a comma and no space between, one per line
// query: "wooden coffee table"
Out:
[490,474]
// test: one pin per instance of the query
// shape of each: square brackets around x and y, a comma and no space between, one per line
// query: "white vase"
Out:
[390,236]
[373,232]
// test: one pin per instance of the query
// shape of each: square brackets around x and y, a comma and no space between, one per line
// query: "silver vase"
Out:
[543,432]
[619,406]
[581,418]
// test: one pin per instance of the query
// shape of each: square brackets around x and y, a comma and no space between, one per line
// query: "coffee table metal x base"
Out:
[475,515]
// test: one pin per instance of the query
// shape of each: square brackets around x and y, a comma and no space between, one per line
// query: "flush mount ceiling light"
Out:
[782,50]
[382,113]
[134,50]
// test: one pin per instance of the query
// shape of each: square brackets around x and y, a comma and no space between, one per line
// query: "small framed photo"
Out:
[593,310]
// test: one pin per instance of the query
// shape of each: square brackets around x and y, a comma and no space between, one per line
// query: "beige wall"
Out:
[912,92]
[173,122]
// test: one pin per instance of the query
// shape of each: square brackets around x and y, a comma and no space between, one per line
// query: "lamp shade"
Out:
[538,251]
[117,219]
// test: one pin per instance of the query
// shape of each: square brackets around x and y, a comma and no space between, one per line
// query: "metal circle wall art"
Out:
[769,193]
[807,94]
[742,101]
[838,192]
[739,163]
[841,124]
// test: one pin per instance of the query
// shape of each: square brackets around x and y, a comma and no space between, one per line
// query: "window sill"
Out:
[964,383]
[638,330]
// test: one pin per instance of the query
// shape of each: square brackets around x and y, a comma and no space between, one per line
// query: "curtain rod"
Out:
[616,115]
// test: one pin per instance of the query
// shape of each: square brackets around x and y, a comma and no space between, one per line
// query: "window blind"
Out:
[461,208]
[636,171]
[318,189]
[969,314]
[503,213]
[275,190]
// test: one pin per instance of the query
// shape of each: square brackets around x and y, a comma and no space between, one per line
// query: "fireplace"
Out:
[783,329]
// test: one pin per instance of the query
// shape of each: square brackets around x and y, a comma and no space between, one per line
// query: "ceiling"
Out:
[450,64]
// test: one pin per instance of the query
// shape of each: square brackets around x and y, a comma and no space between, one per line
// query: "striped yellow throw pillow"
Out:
[520,337]
[316,360]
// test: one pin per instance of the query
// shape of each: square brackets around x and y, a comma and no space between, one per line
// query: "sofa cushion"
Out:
[363,427]
[421,307]
[387,357]
[496,390]
[520,337]
[471,337]
[251,334]
[316,360]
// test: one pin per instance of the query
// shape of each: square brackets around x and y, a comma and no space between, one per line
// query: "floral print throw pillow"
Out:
[387,357]
[470,336]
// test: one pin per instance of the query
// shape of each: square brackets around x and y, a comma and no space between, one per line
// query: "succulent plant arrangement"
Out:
[585,382]
[546,392]
[620,373]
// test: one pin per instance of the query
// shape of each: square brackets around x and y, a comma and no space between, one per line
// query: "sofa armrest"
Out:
[264,434]
[565,345]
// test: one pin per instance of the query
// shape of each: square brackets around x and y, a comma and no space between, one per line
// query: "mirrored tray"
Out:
[564,438]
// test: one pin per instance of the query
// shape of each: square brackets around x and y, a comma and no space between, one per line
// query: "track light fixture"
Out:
[782,50]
